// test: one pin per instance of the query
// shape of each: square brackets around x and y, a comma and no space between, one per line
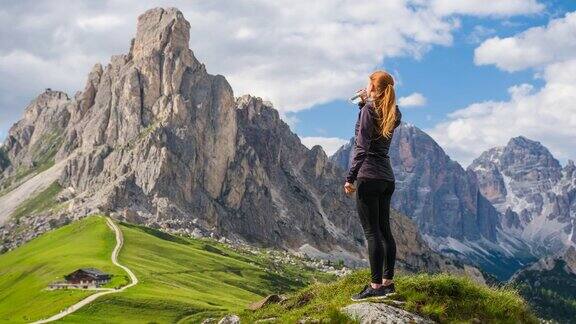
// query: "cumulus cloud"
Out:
[294,53]
[329,144]
[534,47]
[413,100]
[547,114]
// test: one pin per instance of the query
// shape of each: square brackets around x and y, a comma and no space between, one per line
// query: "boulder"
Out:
[376,313]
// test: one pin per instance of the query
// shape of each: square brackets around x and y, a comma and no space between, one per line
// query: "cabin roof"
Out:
[93,271]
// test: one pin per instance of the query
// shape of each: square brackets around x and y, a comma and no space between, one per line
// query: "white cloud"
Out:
[103,22]
[487,7]
[329,144]
[294,53]
[413,100]
[547,115]
[479,33]
[534,47]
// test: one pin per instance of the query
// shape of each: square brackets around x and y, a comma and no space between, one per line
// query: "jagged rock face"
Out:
[152,127]
[34,139]
[343,156]
[442,198]
[531,189]
[156,139]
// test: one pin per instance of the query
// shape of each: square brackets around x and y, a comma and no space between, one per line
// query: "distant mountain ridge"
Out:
[549,285]
[466,213]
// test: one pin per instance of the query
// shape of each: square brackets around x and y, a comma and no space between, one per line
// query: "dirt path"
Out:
[91,298]
[11,200]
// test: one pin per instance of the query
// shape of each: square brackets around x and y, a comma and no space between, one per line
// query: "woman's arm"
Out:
[363,139]
[398,117]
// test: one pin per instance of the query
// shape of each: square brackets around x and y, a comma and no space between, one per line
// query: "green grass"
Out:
[181,280]
[26,271]
[44,200]
[442,297]
[187,280]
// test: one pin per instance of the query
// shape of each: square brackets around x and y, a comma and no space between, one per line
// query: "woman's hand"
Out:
[349,188]
[363,94]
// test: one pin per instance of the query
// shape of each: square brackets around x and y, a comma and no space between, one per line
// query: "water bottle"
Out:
[357,98]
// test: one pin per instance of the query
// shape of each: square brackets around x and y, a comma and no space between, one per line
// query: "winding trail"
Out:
[91,298]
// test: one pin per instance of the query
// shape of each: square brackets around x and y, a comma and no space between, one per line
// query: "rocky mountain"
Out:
[533,192]
[549,285]
[155,139]
[446,203]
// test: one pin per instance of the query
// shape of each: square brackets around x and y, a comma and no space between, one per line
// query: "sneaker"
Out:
[389,289]
[369,292]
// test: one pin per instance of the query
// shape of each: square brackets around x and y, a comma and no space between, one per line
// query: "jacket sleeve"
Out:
[362,143]
[398,117]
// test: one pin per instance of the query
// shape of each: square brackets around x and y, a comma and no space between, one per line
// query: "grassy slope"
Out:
[44,200]
[26,271]
[186,280]
[180,279]
[42,152]
[443,297]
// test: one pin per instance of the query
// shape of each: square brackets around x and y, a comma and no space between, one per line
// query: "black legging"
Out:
[373,203]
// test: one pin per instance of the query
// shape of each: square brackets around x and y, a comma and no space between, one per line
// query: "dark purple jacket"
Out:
[370,159]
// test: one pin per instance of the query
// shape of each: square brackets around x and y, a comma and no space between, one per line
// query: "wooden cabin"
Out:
[83,278]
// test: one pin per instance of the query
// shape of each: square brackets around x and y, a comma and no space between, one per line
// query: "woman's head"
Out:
[381,89]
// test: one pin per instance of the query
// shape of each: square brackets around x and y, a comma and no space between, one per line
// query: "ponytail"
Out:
[385,104]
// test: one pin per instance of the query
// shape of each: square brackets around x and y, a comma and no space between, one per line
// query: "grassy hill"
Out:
[442,297]
[26,271]
[181,280]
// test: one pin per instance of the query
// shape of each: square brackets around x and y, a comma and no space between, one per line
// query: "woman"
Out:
[370,166]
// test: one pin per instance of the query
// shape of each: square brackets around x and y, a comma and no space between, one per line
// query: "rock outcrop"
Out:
[154,138]
[33,141]
[381,313]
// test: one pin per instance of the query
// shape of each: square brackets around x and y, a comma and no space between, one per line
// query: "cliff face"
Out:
[33,141]
[533,192]
[155,139]
[443,197]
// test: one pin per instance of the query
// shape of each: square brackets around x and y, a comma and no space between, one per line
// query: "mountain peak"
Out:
[161,30]
[522,141]
[524,151]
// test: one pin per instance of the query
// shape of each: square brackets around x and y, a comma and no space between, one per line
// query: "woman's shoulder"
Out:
[369,105]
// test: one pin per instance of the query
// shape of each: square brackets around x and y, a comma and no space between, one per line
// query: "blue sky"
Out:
[488,70]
